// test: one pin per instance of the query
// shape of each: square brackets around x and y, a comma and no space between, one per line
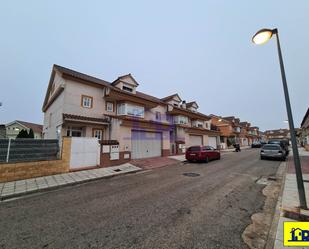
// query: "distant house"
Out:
[278,134]
[13,128]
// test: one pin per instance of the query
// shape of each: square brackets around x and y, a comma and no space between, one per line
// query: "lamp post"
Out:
[261,37]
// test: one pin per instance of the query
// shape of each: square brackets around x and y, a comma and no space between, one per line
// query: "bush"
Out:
[31,134]
[23,134]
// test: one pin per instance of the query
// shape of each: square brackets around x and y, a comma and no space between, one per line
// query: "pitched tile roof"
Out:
[37,128]
[84,118]
[81,75]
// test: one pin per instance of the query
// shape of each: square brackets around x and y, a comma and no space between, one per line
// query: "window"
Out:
[135,111]
[109,106]
[131,110]
[98,133]
[158,116]
[127,88]
[74,131]
[181,120]
[121,109]
[87,101]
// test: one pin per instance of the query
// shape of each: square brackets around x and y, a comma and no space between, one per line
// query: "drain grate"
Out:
[191,174]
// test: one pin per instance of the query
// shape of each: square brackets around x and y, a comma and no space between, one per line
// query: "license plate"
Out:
[192,154]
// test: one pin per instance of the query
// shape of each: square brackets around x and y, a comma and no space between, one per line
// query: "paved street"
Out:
[159,208]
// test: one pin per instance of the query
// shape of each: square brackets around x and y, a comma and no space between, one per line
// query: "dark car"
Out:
[283,143]
[273,151]
[256,145]
[202,153]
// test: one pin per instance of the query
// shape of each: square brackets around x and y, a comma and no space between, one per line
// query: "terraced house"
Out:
[233,131]
[278,134]
[79,105]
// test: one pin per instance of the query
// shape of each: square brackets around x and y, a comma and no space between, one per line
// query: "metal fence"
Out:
[27,150]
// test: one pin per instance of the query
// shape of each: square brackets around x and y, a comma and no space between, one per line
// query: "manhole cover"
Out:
[191,174]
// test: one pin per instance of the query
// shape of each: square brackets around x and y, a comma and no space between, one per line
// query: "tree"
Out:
[23,134]
[31,134]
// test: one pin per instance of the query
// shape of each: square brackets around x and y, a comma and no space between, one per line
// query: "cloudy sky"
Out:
[200,49]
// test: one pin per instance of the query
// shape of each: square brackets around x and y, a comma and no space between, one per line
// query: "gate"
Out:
[85,152]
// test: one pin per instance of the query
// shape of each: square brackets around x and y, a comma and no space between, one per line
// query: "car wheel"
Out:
[262,158]
[206,159]
[219,157]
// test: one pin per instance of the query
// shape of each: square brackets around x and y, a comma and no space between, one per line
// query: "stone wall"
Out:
[26,170]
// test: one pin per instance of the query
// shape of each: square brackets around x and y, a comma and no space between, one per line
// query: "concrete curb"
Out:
[274,225]
[15,195]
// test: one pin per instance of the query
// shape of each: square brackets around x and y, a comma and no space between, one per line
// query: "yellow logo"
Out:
[296,233]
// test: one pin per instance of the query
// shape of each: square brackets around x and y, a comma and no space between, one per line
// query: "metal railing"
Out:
[27,150]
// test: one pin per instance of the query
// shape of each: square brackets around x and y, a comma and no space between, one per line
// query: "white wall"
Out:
[72,101]
[56,109]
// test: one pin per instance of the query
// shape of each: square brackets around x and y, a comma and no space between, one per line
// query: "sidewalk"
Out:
[23,187]
[289,206]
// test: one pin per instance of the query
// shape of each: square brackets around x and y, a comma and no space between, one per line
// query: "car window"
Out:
[271,147]
[208,148]
[196,148]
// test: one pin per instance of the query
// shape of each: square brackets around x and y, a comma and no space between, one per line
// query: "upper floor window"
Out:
[181,120]
[109,106]
[127,88]
[87,101]
[158,116]
[130,110]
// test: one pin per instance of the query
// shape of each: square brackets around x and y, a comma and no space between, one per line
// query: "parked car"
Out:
[202,153]
[256,145]
[273,151]
[283,143]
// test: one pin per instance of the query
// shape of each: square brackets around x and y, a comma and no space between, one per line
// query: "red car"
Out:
[202,153]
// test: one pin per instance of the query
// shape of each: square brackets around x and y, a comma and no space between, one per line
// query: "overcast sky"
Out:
[199,49]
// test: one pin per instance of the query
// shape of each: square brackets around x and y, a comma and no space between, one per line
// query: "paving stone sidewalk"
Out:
[22,187]
[290,201]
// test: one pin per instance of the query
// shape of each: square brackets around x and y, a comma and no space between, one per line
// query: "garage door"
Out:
[195,140]
[146,144]
[213,142]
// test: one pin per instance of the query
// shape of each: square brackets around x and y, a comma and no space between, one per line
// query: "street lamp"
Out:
[262,37]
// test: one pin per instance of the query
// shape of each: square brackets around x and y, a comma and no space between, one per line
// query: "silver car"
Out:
[273,151]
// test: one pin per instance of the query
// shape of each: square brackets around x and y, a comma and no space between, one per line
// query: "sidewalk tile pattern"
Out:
[21,187]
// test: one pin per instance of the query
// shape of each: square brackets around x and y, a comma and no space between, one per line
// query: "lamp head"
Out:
[263,36]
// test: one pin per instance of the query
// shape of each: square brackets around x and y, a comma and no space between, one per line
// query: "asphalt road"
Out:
[160,208]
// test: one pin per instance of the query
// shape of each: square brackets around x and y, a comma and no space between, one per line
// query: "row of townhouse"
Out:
[233,131]
[79,105]
[283,134]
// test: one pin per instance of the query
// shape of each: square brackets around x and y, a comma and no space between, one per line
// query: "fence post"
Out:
[8,151]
